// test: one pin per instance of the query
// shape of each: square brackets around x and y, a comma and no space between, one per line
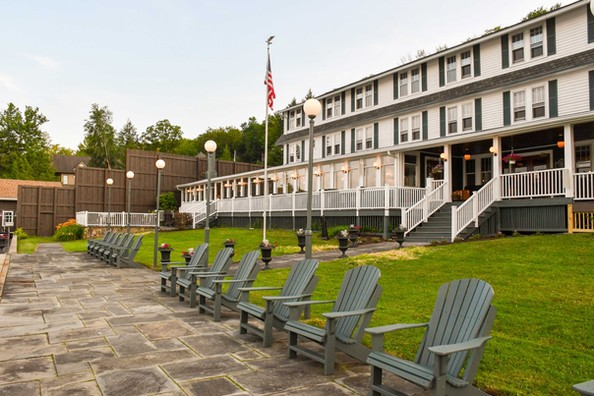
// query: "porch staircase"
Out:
[437,228]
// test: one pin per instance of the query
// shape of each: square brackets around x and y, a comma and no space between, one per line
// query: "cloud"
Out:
[8,82]
[44,61]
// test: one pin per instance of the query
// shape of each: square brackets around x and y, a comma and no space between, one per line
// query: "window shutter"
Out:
[504,51]
[425,125]
[553,99]
[551,37]
[353,140]
[303,151]
[375,92]
[375,135]
[424,76]
[442,121]
[352,100]
[395,80]
[590,24]
[506,108]
[323,146]
[302,117]
[441,61]
[591,83]
[342,104]
[323,109]
[476,55]
[342,142]
[396,132]
[478,114]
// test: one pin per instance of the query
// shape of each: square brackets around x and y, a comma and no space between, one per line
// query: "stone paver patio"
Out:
[73,325]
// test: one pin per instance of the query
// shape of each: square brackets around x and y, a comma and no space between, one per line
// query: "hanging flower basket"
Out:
[512,158]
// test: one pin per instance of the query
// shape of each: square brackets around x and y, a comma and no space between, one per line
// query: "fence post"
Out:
[570,223]
[322,202]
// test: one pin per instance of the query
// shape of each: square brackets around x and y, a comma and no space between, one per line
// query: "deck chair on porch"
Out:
[299,286]
[169,271]
[345,323]
[244,277]
[453,343]
[188,279]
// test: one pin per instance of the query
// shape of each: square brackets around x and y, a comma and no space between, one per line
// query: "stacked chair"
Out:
[169,271]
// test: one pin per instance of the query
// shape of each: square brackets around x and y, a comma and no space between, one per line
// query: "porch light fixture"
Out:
[377,165]
[312,107]
[227,185]
[294,176]
[467,157]
[345,169]
[210,146]
[560,144]
[493,151]
[159,164]
[443,157]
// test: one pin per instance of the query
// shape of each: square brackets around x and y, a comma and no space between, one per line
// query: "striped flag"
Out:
[269,84]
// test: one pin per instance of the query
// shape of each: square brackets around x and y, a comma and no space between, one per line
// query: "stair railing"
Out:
[420,212]
[200,216]
[473,207]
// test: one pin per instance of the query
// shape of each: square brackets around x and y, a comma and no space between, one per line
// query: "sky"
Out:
[201,63]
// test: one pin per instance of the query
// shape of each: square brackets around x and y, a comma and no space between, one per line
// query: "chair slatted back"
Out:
[301,280]
[200,253]
[131,253]
[460,313]
[248,269]
[221,264]
[359,290]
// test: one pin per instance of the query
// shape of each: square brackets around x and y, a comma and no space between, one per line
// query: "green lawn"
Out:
[543,338]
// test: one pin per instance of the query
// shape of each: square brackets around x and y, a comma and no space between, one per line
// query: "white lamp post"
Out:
[160,164]
[311,108]
[109,182]
[129,176]
[210,146]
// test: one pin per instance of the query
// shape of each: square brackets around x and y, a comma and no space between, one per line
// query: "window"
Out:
[403,84]
[416,127]
[368,138]
[403,130]
[333,106]
[519,106]
[470,173]
[536,46]
[7,218]
[452,119]
[410,170]
[64,179]
[359,139]
[329,108]
[297,152]
[336,143]
[486,169]
[451,69]
[359,98]
[363,138]
[292,153]
[538,102]
[467,117]
[337,105]
[518,47]
[292,119]
[333,144]
[415,84]
[298,119]
[364,96]
[328,145]
[465,63]
[368,95]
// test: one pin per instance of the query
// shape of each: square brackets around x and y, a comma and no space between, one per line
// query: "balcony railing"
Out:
[583,186]
[545,183]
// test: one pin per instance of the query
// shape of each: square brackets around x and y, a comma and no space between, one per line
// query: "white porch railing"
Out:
[421,211]
[583,186]
[472,208]
[545,183]
[115,219]
[200,216]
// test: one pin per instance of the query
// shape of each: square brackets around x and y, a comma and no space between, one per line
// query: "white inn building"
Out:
[427,144]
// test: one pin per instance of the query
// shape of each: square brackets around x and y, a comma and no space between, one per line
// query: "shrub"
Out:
[69,231]
[167,201]
[182,220]
[21,234]
[333,231]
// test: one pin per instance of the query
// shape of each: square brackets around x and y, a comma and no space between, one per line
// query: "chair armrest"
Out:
[258,288]
[444,350]
[393,327]
[206,274]
[281,298]
[300,303]
[176,265]
[232,280]
[344,314]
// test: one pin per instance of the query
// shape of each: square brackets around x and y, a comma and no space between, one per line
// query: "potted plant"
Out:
[301,239]
[512,158]
[165,250]
[437,171]
[187,254]
[230,243]
[266,249]
[398,234]
[343,241]
[354,234]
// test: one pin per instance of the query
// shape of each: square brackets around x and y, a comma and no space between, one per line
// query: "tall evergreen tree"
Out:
[100,141]
[127,138]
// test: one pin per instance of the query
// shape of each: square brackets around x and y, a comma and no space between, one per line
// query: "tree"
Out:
[163,136]
[127,138]
[25,148]
[100,143]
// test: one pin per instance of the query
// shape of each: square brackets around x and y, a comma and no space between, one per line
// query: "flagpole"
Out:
[265,210]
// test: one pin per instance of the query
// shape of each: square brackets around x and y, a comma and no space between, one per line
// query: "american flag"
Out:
[269,84]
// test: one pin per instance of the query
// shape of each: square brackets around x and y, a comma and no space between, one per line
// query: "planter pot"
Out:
[512,162]
[343,245]
[187,257]
[165,255]
[301,243]
[353,235]
[398,237]
[231,245]
[266,256]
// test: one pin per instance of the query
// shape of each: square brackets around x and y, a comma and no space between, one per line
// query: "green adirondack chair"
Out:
[124,244]
[345,323]
[218,269]
[169,271]
[91,243]
[121,257]
[299,286]
[112,238]
[585,388]
[120,238]
[452,347]
[244,277]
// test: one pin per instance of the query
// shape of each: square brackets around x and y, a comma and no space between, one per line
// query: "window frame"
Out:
[536,45]
[517,49]
[403,132]
[466,64]
[403,84]
[519,107]
[415,81]
[452,119]
[451,72]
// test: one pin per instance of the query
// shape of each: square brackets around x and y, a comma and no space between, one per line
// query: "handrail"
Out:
[473,207]
[584,185]
[114,219]
[421,211]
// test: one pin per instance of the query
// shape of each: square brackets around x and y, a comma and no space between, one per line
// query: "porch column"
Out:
[399,169]
[569,160]
[447,173]
[496,153]
[249,186]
